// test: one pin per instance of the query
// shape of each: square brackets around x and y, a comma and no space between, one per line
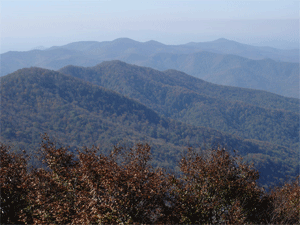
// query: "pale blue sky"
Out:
[27,24]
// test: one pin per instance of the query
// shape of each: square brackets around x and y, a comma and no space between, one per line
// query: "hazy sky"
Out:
[28,24]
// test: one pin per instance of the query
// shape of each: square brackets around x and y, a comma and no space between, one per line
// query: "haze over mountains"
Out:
[96,97]
[222,61]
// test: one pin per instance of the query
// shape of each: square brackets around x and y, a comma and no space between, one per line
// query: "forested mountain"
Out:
[277,77]
[78,113]
[246,113]
[220,61]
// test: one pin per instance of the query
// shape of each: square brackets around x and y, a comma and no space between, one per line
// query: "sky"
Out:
[29,24]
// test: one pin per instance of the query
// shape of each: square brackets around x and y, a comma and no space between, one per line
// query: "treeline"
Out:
[212,186]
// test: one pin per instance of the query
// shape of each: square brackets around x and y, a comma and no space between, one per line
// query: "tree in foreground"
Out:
[91,188]
[13,177]
[286,203]
[119,188]
[218,188]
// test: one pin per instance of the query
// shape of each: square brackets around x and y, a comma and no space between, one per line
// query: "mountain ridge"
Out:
[207,61]
[37,100]
[173,98]
[179,78]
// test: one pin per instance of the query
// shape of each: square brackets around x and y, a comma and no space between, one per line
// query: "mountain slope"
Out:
[277,77]
[219,65]
[224,46]
[172,97]
[49,59]
[78,113]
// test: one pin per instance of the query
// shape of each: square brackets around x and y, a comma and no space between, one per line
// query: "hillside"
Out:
[77,113]
[277,77]
[222,61]
[247,113]
[225,46]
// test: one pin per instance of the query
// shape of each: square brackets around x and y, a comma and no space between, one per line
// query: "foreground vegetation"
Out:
[211,187]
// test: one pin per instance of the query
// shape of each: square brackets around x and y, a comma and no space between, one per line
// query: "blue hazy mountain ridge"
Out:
[221,61]
[224,46]
[80,113]
[270,117]
[221,46]
[266,74]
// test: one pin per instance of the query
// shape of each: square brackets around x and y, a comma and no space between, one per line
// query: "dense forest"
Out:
[77,113]
[88,187]
[218,154]
[256,115]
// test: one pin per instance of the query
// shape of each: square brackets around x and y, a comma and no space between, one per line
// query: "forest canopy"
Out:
[213,186]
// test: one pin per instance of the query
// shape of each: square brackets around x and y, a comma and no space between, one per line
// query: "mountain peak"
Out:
[124,40]
[152,42]
[223,40]
[112,62]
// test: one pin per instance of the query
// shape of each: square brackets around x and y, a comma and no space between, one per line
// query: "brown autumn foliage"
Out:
[218,188]
[286,203]
[13,177]
[95,188]
[92,188]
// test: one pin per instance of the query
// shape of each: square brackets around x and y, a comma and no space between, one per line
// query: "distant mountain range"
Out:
[222,61]
[115,102]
